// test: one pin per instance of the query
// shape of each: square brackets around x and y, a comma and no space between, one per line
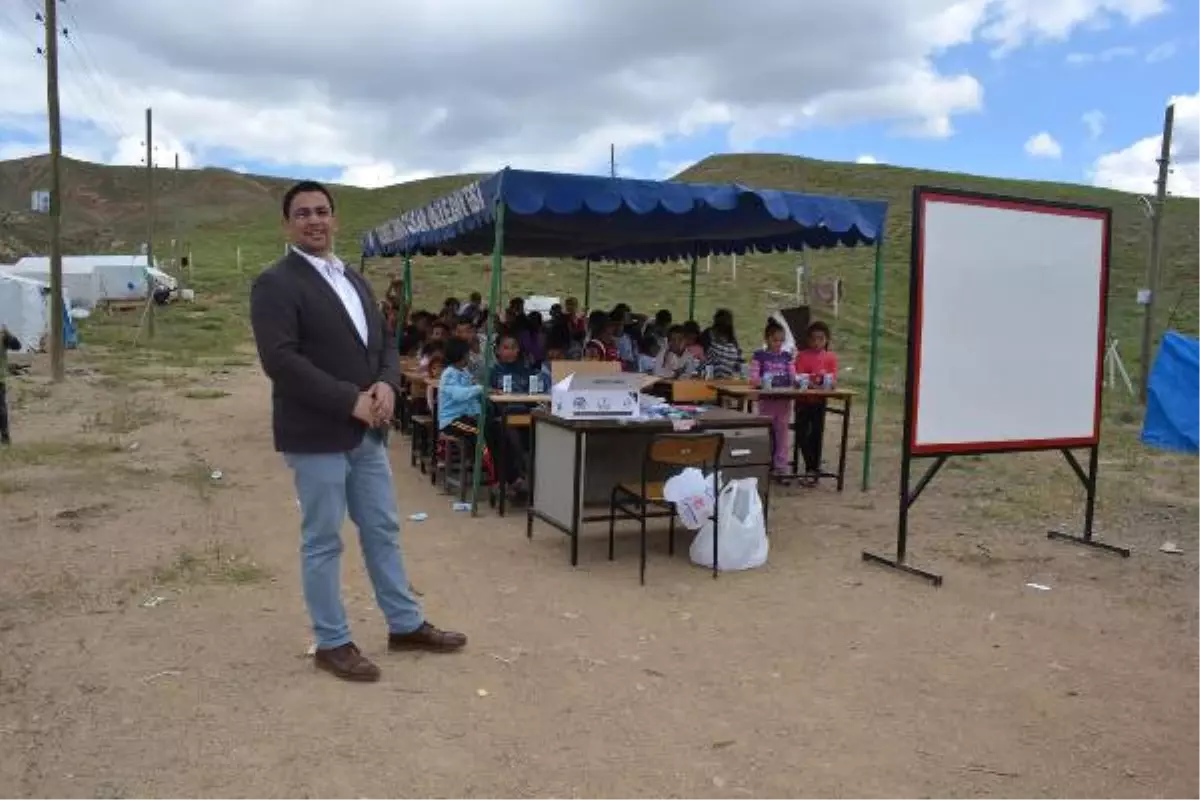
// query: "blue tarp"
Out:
[617,219]
[1173,396]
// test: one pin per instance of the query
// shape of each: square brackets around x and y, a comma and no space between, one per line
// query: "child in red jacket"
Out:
[820,367]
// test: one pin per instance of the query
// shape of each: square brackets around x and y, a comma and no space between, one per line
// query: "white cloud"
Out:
[1102,57]
[1161,52]
[866,158]
[1135,168]
[1094,122]
[1043,145]
[479,84]
[379,173]
[1015,22]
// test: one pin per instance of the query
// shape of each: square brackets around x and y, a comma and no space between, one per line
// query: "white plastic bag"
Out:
[692,493]
[742,534]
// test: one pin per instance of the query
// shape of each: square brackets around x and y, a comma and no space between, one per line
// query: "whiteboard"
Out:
[1008,313]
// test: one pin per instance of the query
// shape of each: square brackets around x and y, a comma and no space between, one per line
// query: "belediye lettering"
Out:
[441,213]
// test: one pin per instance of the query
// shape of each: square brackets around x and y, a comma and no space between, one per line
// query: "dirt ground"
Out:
[153,638]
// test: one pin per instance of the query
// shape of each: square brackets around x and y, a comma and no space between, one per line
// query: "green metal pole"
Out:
[873,361]
[488,355]
[407,298]
[587,285]
[692,288]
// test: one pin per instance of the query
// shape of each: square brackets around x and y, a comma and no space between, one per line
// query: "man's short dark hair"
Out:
[301,188]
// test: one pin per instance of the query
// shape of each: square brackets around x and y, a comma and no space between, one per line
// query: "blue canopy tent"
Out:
[542,214]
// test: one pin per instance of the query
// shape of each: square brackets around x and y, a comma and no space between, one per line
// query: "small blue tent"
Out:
[1173,396]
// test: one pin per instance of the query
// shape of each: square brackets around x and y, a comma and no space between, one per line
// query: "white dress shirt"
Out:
[334,273]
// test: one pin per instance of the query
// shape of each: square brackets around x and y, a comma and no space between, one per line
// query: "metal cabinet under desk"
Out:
[577,462]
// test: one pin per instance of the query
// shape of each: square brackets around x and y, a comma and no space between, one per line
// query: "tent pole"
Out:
[488,356]
[873,361]
[408,280]
[587,285]
[692,286]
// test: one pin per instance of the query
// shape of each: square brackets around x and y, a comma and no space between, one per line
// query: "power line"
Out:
[4,16]
[91,65]
[96,92]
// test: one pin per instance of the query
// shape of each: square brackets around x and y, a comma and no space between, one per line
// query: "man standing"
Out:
[7,342]
[322,342]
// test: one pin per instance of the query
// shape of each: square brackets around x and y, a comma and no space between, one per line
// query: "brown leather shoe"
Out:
[429,638]
[347,663]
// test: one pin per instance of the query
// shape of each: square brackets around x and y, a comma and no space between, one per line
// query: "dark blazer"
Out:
[314,357]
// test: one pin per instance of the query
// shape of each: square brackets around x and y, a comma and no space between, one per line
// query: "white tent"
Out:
[25,310]
[91,279]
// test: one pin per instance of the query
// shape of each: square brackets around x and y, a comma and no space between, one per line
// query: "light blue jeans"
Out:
[358,481]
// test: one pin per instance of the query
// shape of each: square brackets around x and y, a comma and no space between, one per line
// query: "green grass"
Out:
[215,213]
[216,563]
[205,393]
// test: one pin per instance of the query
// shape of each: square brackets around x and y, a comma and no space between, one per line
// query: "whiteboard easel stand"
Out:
[925,199]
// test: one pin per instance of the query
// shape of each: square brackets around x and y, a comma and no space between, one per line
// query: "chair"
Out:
[457,446]
[690,390]
[646,500]
[424,435]
[561,369]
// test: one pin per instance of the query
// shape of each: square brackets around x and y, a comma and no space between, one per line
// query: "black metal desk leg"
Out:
[841,476]
[502,451]
[576,490]
[795,465]
[532,477]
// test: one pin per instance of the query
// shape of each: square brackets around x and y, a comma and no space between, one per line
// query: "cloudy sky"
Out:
[373,92]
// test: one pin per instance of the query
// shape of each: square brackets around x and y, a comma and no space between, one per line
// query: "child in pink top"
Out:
[821,367]
[771,367]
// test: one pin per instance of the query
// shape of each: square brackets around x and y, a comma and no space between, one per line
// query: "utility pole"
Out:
[57,368]
[150,222]
[1154,268]
[175,217]
[612,161]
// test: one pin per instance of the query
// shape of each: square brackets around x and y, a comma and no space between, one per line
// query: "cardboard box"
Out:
[613,396]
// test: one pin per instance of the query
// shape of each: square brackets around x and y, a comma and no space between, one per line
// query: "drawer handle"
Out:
[739,453]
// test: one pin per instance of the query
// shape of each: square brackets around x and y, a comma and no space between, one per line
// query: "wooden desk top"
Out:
[712,419]
[500,398]
[744,390]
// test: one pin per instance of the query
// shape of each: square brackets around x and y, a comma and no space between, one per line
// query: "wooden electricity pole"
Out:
[1154,268]
[175,219]
[57,367]
[149,222]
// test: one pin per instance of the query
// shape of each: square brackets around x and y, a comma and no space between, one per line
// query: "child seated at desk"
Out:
[460,404]
[435,366]
[428,350]
[511,368]
[675,361]
[647,353]
[511,364]
[820,365]
[771,367]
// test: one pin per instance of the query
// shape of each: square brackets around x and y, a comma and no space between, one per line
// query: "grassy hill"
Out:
[217,213]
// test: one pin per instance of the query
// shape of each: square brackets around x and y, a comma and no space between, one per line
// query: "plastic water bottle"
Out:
[708,372]
[802,380]
[535,384]
[506,384]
